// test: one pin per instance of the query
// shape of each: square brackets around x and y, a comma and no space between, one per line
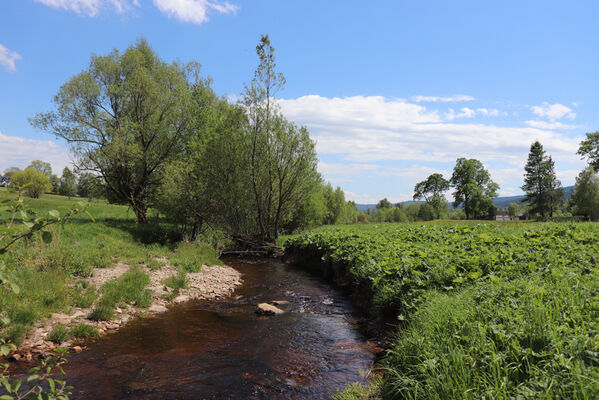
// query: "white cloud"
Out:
[8,58]
[90,8]
[367,129]
[466,112]
[434,99]
[343,169]
[194,11]
[19,152]
[549,125]
[553,112]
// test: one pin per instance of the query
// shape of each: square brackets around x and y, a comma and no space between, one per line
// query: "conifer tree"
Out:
[543,190]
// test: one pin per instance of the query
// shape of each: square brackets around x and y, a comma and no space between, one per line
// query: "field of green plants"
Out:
[486,311]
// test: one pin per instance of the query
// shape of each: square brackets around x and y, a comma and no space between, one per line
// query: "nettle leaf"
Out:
[54,214]
[47,237]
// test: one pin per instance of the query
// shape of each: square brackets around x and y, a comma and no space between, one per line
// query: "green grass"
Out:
[489,310]
[44,271]
[59,334]
[101,313]
[84,331]
[128,288]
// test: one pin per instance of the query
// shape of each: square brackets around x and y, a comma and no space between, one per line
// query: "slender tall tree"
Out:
[542,188]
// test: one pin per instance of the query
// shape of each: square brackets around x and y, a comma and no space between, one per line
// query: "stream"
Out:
[222,349]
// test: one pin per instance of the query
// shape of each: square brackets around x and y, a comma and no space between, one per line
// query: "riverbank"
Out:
[212,282]
[91,276]
[483,310]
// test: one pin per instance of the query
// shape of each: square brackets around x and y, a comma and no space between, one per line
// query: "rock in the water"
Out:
[268,309]
[157,308]
[279,302]
[181,299]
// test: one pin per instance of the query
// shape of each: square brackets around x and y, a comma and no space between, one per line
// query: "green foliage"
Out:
[68,183]
[33,182]
[41,381]
[432,190]
[59,334]
[128,288]
[543,190]
[384,203]
[83,297]
[489,311]
[41,166]
[190,257]
[101,313]
[146,98]
[589,149]
[585,197]
[513,210]
[84,331]
[474,188]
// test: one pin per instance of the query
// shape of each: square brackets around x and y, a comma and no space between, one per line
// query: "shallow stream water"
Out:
[221,349]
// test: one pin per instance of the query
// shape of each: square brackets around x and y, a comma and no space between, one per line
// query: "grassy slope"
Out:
[44,270]
[491,310]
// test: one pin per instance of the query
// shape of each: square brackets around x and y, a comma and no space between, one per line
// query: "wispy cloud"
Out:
[19,152]
[436,99]
[194,11]
[553,112]
[90,8]
[8,58]
[466,112]
[550,125]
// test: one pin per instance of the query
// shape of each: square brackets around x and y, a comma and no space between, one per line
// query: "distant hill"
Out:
[500,202]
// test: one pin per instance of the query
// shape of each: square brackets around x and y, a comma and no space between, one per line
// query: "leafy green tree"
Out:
[10,171]
[589,149]
[542,188]
[431,190]
[125,117]
[41,166]
[384,203]
[34,182]
[474,188]
[513,210]
[55,182]
[282,158]
[585,197]
[89,186]
[427,212]
[68,183]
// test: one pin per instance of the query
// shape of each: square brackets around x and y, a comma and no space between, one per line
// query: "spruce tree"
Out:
[543,190]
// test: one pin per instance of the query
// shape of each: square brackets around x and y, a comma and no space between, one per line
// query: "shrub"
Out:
[59,334]
[37,183]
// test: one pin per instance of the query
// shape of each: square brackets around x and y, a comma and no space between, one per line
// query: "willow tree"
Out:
[124,117]
[282,157]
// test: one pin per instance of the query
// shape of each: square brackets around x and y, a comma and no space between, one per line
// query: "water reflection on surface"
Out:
[223,350]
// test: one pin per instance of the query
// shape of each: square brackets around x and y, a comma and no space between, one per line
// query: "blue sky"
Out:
[390,90]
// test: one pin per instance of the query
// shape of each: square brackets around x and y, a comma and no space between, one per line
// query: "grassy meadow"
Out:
[485,310]
[48,274]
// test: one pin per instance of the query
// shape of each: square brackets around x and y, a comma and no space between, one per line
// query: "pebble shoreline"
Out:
[212,282]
